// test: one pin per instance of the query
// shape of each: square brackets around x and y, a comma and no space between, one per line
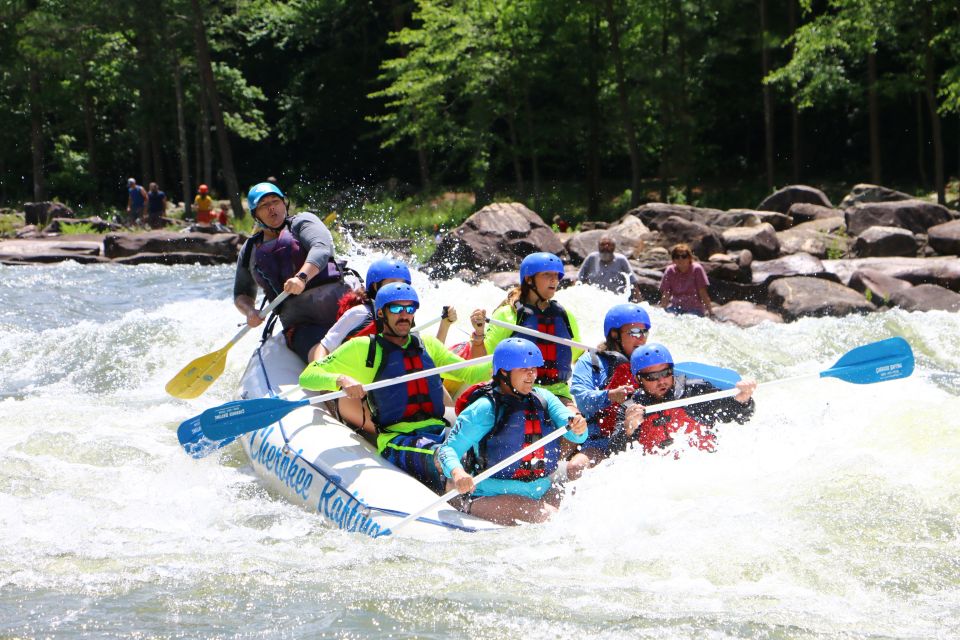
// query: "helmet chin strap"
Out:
[504,377]
[388,330]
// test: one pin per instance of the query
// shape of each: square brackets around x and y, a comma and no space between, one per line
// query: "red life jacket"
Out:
[656,432]
[609,417]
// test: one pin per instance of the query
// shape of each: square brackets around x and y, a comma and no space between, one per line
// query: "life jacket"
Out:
[276,262]
[656,432]
[136,197]
[416,400]
[618,371]
[517,423]
[557,365]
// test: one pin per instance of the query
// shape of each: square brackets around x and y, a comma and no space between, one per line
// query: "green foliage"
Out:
[9,223]
[77,228]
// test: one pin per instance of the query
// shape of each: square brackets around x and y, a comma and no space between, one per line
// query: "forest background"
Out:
[579,108]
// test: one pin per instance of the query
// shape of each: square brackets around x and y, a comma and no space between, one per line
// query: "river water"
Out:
[834,513]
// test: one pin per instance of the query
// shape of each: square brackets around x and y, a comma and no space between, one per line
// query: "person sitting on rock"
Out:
[683,288]
[605,268]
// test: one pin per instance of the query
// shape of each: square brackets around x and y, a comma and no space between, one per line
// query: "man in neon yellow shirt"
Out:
[407,419]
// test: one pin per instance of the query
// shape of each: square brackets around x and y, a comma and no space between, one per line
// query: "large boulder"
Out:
[885,241]
[943,271]
[495,238]
[797,264]
[760,240]
[872,193]
[926,297]
[744,314]
[802,212]
[814,297]
[702,239]
[654,214]
[752,218]
[84,250]
[40,213]
[914,215]
[629,234]
[945,238]
[876,286]
[96,224]
[732,267]
[820,237]
[224,246]
[784,198]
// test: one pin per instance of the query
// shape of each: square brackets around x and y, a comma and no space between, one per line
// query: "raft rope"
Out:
[336,479]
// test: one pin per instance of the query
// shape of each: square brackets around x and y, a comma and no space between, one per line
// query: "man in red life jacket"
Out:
[667,432]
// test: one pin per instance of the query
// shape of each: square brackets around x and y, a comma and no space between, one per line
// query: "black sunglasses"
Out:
[656,375]
[681,256]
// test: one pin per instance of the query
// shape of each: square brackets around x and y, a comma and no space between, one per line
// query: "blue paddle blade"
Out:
[888,359]
[194,442]
[240,416]
[717,376]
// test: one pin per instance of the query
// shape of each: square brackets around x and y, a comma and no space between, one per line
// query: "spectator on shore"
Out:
[683,288]
[224,214]
[156,206]
[136,198]
[203,204]
[561,224]
[605,268]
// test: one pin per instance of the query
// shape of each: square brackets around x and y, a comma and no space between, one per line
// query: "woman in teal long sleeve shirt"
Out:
[507,415]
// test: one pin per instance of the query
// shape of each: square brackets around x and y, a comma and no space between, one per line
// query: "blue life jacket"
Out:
[155,201]
[557,358]
[414,401]
[136,197]
[276,262]
[603,423]
[518,421]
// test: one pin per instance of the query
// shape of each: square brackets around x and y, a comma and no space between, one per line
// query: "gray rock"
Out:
[914,215]
[225,246]
[885,241]
[751,218]
[802,212]
[784,198]
[630,236]
[174,257]
[820,237]
[655,214]
[876,286]
[744,314]
[496,238]
[760,240]
[942,271]
[40,213]
[926,297]
[945,238]
[872,193]
[814,297]
[797,264]
[96,223]
[702,239]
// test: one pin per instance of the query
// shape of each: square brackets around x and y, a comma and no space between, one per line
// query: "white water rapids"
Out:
[834,512]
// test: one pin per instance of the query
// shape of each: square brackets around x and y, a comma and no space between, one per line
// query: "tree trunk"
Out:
[515,156]
[921,144]
[593,125]
[930,84]
[795,141]
[156,150]
[423,161]
[623,100]
[767,98]
[182,138]
[874,117]
[663,97]
[206,144]
[206,72]
[36,138]
[531,141]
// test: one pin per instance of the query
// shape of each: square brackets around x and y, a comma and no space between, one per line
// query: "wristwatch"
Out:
[303,277]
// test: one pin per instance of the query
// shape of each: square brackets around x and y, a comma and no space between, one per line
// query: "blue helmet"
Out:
[621,314]
[649,355]
[395,292]
[387,268]
[538,263]
[257,192]
[516,353]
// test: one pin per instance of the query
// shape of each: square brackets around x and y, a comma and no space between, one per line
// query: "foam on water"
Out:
[833,512]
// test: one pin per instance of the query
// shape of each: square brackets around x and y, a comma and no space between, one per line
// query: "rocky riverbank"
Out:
[794,255]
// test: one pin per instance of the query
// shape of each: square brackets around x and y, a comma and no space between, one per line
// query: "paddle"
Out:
[717,376]
[428,324]
[196,377]
[544,336]
[240,416]
[888,359]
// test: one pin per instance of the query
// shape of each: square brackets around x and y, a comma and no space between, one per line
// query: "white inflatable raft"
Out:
[319,463]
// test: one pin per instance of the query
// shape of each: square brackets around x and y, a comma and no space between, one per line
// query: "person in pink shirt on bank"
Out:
[683,288]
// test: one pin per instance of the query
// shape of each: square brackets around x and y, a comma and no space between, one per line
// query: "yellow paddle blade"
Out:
[196,377]
[330,219]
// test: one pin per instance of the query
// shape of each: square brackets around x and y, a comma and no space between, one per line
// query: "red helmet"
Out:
[203,188]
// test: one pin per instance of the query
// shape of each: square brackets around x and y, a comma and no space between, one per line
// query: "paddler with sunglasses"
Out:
[668,432]
[602,383]
[406,419]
